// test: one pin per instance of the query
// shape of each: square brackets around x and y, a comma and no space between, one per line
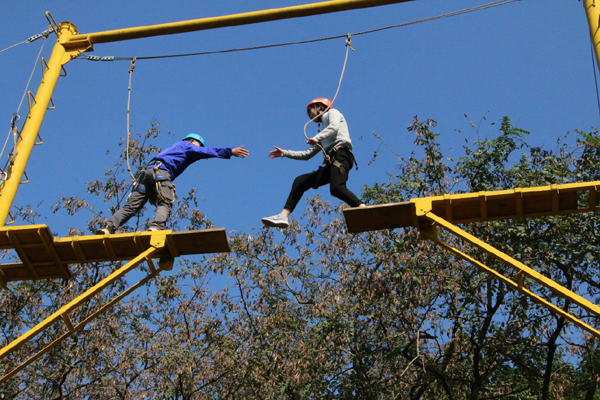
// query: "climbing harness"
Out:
[164,188]
[159,184]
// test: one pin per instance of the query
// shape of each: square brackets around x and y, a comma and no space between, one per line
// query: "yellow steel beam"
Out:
[427,213]
[225,21]
[481,206]
[520,287]
[593,16]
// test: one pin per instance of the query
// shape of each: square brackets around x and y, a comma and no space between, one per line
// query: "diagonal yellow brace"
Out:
[164,265]
[521,268]
[519,287]
[156,246]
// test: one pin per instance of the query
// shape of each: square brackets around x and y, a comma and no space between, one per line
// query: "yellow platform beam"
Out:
[46,257]
[428,213]
[483,206]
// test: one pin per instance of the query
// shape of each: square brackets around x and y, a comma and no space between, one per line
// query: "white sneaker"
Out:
[103,231]
[276,221]
[152,229]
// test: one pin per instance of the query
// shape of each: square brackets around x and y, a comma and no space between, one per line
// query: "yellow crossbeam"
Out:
[254,17]
[45,257]
[482,206]
[522,270]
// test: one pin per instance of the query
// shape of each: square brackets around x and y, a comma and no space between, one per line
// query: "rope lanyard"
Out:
[326,157]
[131,68]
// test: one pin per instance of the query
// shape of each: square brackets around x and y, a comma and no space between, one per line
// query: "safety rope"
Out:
[15,118]
[131,68]
[450,14]
[348,47]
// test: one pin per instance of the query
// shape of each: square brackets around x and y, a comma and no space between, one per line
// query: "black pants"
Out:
[336,177]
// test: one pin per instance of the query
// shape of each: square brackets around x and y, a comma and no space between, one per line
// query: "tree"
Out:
[315,312]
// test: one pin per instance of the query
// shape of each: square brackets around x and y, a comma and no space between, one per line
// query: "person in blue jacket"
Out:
[155,182]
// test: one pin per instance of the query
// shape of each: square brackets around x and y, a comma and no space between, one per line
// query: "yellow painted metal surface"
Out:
[483,206]
[46,257]
[254,17]
[522,270]
[592,11]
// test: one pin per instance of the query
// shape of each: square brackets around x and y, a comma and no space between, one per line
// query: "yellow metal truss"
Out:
[45,257]
[428,213]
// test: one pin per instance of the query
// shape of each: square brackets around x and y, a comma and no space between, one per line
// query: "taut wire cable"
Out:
[450,14]
[13,129]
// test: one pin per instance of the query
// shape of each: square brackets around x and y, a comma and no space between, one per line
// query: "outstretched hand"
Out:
[240,152]
[276,153]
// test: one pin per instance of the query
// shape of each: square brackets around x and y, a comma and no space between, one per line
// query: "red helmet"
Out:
[319,100]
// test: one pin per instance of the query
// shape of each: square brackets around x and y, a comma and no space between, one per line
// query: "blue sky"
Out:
[529,60]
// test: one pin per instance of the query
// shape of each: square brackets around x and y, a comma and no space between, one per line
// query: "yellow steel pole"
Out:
[592,11]
[34,120]
[227,20]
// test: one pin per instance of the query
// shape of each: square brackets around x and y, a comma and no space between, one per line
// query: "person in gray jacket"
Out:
[333,139]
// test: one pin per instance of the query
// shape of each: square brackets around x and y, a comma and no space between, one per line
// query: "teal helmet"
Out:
[196,137]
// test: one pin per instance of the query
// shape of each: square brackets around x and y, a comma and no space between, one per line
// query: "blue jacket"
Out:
[178,157]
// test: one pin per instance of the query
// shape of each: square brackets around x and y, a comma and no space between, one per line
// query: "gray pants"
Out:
[137,200]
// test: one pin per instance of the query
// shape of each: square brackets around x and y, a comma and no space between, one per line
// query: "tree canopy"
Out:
[315,312]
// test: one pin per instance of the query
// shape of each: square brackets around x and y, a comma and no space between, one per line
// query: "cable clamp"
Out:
[93,58]
[34,38]
[48,31]
[349,42]
[107,58]
[132,66]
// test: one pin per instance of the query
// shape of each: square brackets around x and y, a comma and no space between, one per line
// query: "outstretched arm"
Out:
[240,152]
[276,153]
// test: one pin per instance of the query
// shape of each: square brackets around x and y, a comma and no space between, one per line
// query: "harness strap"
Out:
[330,158]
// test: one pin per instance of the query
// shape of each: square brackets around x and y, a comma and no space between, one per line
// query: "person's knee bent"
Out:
[300,184]
[338,190]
